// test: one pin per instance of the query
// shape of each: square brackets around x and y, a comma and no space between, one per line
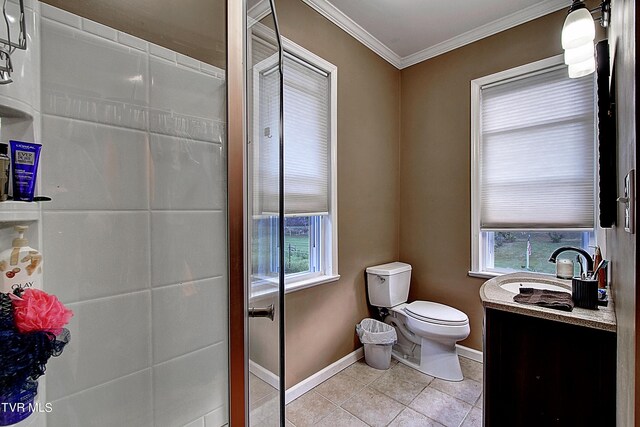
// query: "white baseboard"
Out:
[469,353]
[316,379]
[264,374]
[307,384]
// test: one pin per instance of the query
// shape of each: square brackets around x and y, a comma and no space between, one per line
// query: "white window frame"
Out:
[477,250]
[329,227]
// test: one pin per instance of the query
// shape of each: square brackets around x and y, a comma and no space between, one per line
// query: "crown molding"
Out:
[525,15]
[332,13]
[336,16]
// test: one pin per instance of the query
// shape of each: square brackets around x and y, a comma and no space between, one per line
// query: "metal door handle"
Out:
[262,312]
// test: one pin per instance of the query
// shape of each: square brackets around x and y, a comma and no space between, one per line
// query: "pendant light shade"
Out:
[578,54]
[578,28]
[582,68]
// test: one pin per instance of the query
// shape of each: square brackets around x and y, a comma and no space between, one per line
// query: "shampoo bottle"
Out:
[20,265]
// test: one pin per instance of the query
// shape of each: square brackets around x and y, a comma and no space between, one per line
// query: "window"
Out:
[310,88]
[533,167]
[303,249]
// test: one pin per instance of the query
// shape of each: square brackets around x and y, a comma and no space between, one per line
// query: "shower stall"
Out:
[153,163]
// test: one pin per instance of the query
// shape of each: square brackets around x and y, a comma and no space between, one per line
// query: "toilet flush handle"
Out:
[382,279]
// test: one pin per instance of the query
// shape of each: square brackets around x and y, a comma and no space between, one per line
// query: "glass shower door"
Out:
[265,227]
[130,108]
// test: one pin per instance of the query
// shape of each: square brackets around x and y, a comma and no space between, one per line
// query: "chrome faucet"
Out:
[581,251]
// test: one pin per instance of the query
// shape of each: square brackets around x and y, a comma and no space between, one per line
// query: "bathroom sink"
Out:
[514,287]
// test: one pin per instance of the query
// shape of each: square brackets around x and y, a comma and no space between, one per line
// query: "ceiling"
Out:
[405,32]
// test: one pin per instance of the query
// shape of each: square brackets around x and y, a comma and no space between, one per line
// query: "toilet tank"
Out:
[388,284]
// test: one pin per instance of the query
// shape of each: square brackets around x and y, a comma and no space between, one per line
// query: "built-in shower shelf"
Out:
[12,211]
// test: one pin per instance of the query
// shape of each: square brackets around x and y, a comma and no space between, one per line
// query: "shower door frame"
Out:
[236,140]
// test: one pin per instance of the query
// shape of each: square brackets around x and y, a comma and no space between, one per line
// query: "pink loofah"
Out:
[36,310]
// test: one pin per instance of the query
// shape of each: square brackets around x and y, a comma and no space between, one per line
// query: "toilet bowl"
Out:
[427,331]
[436,330]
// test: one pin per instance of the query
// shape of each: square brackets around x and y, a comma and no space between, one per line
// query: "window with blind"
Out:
[310,88]
[306,135]
[533,166]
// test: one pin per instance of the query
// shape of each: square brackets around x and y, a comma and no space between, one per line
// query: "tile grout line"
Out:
[330,412]
[465,417]
[405,406]
[396,417]
[349,412]
[357,417]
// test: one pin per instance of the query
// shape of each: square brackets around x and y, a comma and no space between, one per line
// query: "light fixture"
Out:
[583,68]
[578,54]
[578,34]
[578,27]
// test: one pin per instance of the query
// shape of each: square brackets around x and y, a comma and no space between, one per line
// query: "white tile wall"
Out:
[216,418]
[60,15]
[187,246]
[197,423]
[126,401]
[132,41]
[111,163]
[187,61]
[190,386]
[162,52]
[111,337]
[99,29]
[186,317]
[91,78]
[187,174]
[184,102]
[95,254]
[182,90]
[134,159]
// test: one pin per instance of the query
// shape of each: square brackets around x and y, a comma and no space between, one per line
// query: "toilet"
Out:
[427,331]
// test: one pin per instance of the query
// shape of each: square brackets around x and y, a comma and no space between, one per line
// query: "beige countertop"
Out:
[493,296]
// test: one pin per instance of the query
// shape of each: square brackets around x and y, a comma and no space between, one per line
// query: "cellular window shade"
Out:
[537,153]
[262,49]
[267,148]
[306,141]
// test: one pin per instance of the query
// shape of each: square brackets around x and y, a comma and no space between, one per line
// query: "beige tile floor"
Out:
[362,396]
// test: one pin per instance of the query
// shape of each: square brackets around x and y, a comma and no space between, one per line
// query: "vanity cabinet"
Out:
[540,372]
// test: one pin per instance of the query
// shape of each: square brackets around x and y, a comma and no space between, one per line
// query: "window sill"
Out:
[308,283]
[483,274]
[492,274]
[268,287]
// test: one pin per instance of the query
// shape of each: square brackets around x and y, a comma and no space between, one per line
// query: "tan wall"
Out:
[621,246]
[320,321]
[435,219]
[195,28]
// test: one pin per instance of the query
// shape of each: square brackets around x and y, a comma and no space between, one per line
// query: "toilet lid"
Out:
[436,313]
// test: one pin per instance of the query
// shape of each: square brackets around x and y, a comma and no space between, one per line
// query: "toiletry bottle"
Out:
[20,265]
[5,161]
[564,268]
[24,165]
[602,274]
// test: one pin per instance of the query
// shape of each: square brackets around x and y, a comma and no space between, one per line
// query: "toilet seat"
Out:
[436,313]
